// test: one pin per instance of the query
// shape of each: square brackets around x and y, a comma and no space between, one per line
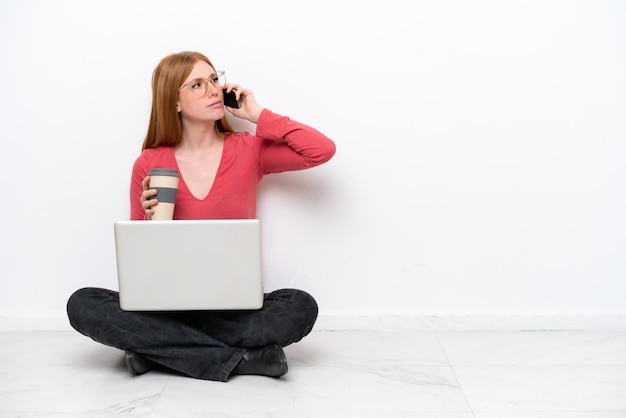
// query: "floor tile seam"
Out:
[456,378]
[370,367]
[389,364]
[517,365]
[154,407]
[549,411]
[382,411]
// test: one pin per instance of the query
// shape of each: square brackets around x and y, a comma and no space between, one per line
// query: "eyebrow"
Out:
[202,78]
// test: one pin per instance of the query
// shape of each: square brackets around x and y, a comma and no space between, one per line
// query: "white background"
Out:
[480,166]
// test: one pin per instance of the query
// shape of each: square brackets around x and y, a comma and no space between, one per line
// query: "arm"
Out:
[288,145]
[139,193]
[291,145]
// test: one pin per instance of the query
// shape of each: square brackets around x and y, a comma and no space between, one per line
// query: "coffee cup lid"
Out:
[163,172]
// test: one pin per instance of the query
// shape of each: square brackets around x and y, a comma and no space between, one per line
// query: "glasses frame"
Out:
[205,82]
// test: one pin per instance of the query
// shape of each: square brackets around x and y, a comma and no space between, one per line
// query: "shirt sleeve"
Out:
[290,145]
[138,174]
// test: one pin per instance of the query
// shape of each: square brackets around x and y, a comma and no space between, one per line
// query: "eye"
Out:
[196,85]
[215,80]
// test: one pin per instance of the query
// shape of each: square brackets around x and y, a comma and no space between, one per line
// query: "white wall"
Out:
[480,158]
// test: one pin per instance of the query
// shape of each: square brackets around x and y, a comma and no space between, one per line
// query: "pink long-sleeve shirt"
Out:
[280,144]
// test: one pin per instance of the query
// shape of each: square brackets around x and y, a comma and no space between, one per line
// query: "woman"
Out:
[220,174]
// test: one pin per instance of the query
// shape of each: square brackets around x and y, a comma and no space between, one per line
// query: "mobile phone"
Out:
[230,99]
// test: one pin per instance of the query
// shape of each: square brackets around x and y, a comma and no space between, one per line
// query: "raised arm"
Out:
[291,145]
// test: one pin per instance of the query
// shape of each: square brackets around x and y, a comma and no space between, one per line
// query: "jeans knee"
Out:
[296,302]
[304,312]
[82,304]
[73,307]
[307,305]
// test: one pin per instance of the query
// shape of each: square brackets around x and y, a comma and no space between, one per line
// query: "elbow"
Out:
[329,151]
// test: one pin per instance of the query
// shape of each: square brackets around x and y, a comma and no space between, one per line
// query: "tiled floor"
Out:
[345,374]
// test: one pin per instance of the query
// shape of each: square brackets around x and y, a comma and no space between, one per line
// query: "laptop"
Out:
[189,265]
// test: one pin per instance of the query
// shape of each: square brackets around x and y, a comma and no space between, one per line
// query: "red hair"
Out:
[165,127]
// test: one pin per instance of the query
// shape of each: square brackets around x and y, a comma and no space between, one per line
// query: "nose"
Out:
[211,89]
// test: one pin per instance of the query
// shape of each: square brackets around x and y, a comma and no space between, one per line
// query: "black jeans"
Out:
[200,344]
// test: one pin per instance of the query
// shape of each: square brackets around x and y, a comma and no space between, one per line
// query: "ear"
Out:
[178,109]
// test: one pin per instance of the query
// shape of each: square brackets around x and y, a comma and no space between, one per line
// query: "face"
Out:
[203,108]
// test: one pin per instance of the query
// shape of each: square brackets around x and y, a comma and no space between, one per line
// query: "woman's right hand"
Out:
[147,201]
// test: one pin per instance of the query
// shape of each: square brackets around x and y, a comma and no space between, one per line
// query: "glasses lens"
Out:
[199,88]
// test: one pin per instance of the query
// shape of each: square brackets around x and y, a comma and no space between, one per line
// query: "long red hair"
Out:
[165,127]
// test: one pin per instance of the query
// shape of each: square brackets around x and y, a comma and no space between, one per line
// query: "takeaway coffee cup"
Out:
[165,182]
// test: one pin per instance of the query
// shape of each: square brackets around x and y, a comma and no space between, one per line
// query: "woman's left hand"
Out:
[249,109]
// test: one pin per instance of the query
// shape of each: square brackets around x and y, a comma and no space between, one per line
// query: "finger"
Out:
[247,95]
[146,183]
[148,203]
[148,193]
[231,87]
[147,198]
[240,92]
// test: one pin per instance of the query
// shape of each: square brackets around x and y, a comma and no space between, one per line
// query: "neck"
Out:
[200,137]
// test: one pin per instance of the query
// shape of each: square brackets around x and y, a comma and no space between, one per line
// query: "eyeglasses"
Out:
[200,86]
